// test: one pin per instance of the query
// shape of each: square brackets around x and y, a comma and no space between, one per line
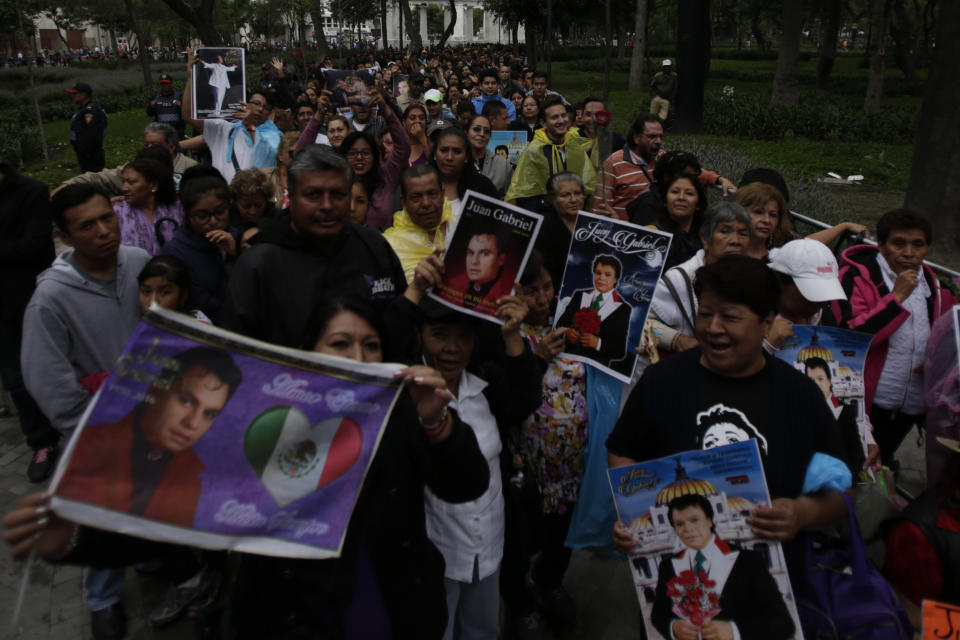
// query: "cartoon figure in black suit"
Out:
[751,607]
[608,342]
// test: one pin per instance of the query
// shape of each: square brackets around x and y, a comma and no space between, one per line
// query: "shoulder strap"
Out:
[676,296]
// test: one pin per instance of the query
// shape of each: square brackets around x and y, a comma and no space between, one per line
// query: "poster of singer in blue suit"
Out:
[612,270]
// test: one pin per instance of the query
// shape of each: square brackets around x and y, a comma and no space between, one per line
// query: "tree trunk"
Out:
[901,28]
[316,17]
[934,188]
[607,33]
[879,15]
[693,59]
[200,18]
[31,88]
[786,83]
[635,83]
[756,30]
[621,40]
[828,52]
[144,58]
[448,31]
[413,30]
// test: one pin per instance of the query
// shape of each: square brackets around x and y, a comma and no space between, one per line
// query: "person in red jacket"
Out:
[893,295]
[144,464]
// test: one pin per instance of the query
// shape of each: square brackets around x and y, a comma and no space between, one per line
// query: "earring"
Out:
[153,190]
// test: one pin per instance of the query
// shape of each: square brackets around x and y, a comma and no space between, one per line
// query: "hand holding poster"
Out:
[486,253]
[349,87]
[219,83]
[206,438]
[833,358]
[612,270]
[699,569]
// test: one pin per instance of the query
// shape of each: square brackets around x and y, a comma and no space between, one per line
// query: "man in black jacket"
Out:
[26,249]
[310,253]
[88,128]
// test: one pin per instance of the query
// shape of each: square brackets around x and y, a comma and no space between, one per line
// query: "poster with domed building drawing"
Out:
[834,359]
[698,567]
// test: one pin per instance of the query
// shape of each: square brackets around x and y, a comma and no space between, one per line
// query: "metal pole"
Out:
[549,39]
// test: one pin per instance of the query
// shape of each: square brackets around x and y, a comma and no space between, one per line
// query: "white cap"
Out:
[666,63]
[433,95]
[813,268]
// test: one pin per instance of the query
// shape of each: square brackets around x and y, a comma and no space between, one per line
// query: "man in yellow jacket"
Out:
[421,227]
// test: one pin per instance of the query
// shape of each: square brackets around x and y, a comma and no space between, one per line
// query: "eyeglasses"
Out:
[204,216]
[359,153]
[479,129]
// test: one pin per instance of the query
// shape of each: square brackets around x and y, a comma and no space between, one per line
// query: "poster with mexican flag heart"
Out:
[202,437]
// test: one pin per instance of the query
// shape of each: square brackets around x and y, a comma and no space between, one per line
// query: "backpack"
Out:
[841,596]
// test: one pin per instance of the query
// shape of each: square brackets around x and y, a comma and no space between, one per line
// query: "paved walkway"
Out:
[54,608]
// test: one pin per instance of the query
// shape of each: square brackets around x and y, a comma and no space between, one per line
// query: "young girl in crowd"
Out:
[206,242]
[166,281]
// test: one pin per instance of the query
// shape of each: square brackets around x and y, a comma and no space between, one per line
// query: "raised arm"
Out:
[186,107]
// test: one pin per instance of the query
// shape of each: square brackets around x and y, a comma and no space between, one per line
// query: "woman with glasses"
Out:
[485,161]
[205,241]
[149,213]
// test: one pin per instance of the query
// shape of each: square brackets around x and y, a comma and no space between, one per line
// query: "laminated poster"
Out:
[399,84]
[698,567]
[219,83]
[514,142]
[833,358]
[206,438]
[487,251]
[612,270]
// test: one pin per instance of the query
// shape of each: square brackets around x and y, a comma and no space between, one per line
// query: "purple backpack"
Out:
[841,596]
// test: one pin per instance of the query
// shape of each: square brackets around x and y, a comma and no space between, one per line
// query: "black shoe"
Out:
[178,599]
[557,604]
[109,623]
[530,627]
[42,464]
[207,598]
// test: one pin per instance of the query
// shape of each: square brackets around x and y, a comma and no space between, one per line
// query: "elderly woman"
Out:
[149,213]
[725,230]
[251,196]
[487,162]
[565,196]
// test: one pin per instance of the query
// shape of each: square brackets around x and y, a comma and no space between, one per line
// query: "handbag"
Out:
[840,595]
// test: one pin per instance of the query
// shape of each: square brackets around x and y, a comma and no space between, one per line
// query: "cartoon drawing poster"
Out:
[218,83]
[608,283]
[698,567]
[202,437]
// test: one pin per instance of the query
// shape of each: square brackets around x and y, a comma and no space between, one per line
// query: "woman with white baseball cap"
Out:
[809,277]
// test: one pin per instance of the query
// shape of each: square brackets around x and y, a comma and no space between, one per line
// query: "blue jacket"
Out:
[479,102]
[208,273]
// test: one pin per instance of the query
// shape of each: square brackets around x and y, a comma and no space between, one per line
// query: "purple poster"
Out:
[202,437]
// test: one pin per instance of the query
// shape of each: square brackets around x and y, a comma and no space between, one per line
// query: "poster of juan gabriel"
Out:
[206,438]
[698,567]
[612,270]
[219,82]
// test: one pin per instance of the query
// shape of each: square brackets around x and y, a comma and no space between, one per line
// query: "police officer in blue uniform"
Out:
[165,105]
[88,128]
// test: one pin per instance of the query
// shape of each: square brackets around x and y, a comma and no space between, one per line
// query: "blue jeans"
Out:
[473,608]
[102,587]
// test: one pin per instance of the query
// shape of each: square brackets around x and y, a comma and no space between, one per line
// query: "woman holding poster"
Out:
[388,580]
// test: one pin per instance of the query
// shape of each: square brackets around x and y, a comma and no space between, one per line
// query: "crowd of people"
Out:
[322,228]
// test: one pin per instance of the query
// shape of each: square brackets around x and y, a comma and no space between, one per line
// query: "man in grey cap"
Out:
[88,128]
[663,90]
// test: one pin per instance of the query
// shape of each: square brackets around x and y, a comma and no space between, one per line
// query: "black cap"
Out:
[81,87]
[416,77]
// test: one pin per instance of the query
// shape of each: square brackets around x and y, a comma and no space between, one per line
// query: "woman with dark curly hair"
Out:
[251,196]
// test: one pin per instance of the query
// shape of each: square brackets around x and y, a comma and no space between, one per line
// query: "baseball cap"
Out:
[437,125]
[813,268]
[433,95]
[81,87]
[165,78]
[666,63]
[415,77]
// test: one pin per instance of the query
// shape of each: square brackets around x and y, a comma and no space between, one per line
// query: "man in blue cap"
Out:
[88,128]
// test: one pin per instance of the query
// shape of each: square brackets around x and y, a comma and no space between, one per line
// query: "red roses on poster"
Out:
[587,321]
[693,599]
